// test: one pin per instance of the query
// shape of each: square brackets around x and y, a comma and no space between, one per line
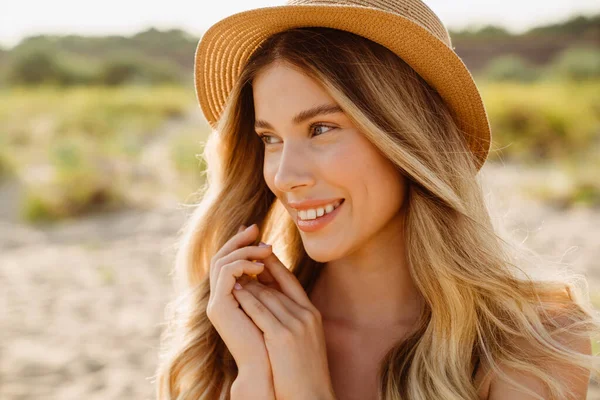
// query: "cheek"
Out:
[336,166]
[374,183]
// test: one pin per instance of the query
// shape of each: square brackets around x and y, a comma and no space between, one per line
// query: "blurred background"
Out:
[99,141]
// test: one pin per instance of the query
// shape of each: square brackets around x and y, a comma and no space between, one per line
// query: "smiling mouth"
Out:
[313,225]
[318,212]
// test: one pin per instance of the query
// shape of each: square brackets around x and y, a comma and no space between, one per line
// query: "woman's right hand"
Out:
[242,337]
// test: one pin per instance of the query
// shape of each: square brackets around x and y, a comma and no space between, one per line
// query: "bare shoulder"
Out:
[577,378]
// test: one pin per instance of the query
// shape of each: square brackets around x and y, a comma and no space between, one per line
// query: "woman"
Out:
[383,276]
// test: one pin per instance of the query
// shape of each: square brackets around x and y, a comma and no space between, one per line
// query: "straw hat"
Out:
[407,27]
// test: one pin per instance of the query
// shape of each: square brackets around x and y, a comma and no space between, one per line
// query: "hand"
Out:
[293,334]
[241,336]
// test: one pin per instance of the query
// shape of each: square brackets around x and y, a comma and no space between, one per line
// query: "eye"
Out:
[321,126]
[265,138]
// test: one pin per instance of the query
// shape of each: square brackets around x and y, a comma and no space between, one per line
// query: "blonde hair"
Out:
[479,302]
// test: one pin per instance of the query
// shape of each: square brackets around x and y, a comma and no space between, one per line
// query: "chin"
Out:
[321,251]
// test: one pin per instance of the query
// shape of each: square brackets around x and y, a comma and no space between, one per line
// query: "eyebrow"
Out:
[304,115]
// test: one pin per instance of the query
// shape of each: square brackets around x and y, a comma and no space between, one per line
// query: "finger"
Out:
[260,314]
[288,282]
[230,272]
[238,240]
[266,277]
[241,228]
[285,309]
[250,253]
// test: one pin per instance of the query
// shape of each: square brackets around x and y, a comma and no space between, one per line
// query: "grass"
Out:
[542,121]
[76,150]
[38,116]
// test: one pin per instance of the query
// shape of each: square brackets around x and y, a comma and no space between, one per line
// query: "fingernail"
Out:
[250,226]
[237,286]
[258,263]
[263,244]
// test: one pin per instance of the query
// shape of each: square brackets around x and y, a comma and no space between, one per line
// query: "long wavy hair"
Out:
[481,303]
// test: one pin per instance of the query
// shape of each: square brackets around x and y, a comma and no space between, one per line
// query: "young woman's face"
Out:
[322,157]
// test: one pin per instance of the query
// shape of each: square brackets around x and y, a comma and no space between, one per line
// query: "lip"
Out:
[307,204]
[318,223]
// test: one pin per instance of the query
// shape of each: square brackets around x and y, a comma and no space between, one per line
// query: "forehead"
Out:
[281,88]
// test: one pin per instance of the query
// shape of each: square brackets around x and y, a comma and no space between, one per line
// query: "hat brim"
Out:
[226,46]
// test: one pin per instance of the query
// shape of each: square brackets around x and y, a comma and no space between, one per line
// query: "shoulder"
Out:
[576,378]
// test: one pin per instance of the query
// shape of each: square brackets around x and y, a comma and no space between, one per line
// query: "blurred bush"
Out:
[6,166]
[34,67]
[511,68]
[77,179]
[37,65]
[126,70]
[577,64]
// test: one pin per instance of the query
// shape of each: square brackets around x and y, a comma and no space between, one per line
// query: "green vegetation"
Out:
[38,116]
[511,68]
[480,47]
[149,57]
[577,64]
[78,150]
[576,26]
[44,66]
[542,121]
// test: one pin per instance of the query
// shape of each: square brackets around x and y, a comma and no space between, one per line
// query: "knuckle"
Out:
[297,326]
[230,269]
[286,336]
[219,263]
[318,316]
[308,316]
[214,263]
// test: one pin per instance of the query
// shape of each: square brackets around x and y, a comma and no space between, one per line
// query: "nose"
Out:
[294,168]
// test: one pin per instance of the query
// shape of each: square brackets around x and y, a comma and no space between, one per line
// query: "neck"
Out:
[370,287]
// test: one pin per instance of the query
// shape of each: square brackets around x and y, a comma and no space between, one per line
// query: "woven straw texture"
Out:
[407,27]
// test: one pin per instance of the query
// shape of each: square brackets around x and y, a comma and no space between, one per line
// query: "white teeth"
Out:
[313,213]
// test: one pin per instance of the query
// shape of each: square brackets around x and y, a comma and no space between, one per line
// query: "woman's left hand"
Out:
[293,333]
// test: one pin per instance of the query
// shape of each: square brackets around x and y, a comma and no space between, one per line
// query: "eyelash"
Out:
[263,136]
